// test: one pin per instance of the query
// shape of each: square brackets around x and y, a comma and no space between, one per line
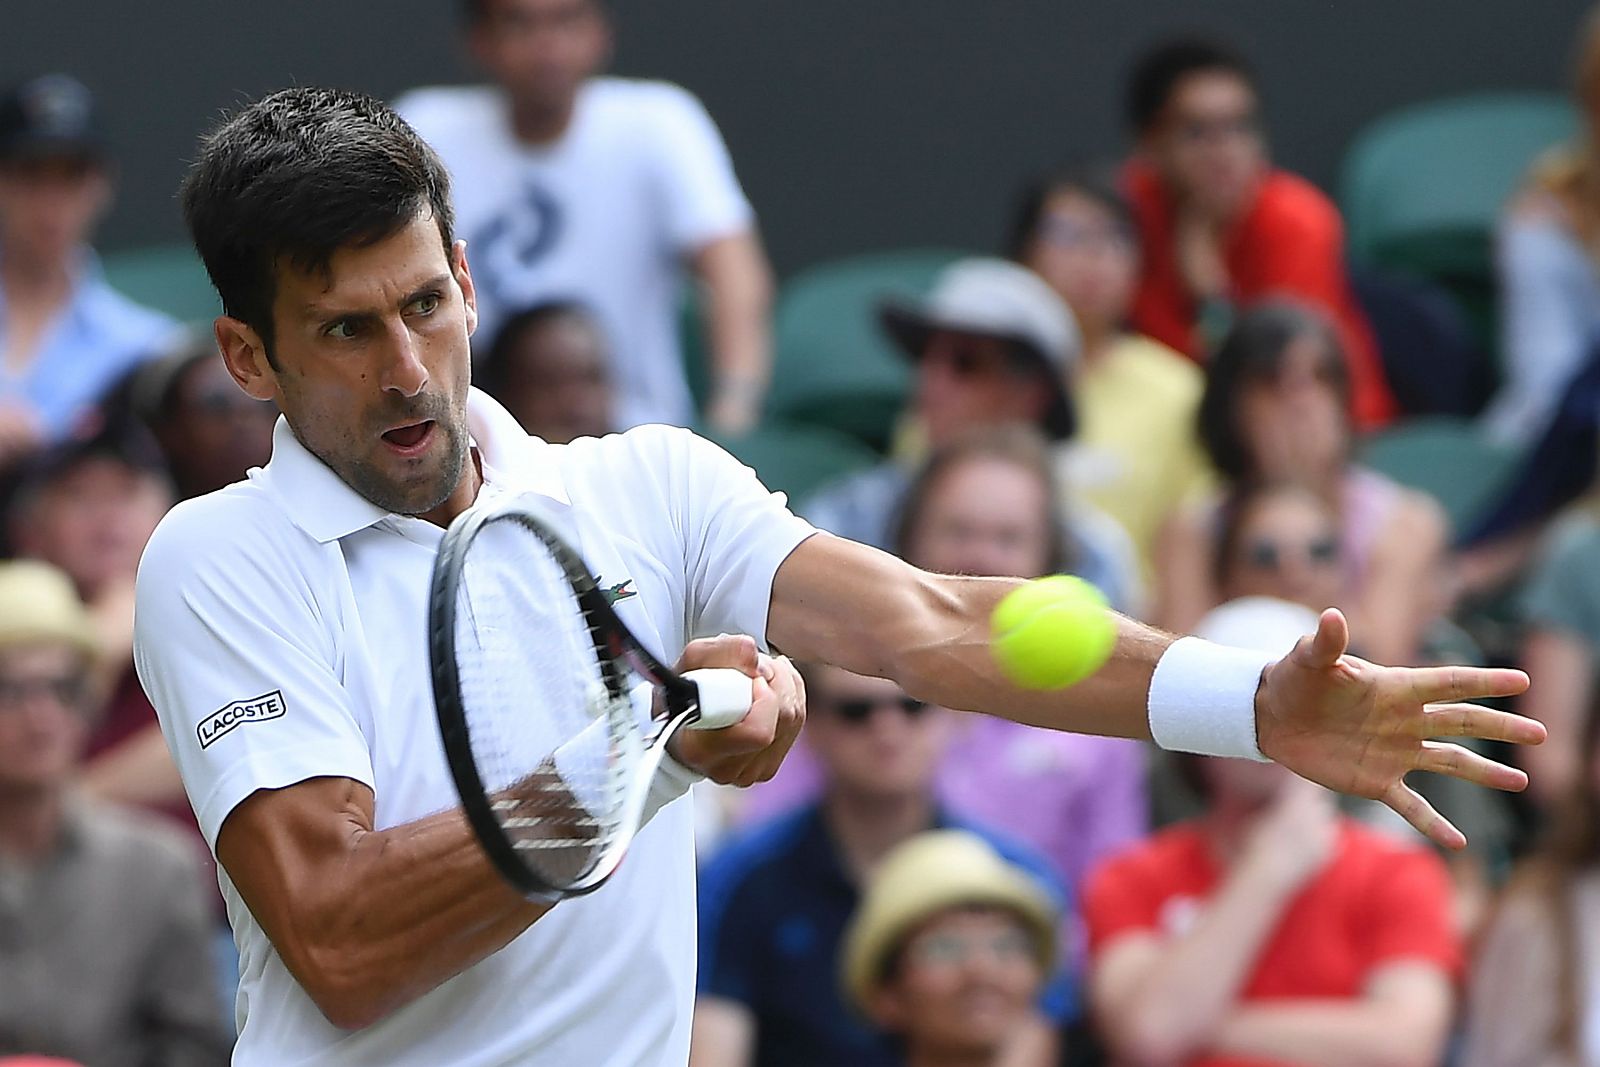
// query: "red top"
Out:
[1377,901]
[1289,243]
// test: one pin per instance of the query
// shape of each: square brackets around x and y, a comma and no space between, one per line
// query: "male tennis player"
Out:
[281,636]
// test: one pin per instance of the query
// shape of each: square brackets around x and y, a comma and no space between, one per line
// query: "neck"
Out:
[1098,338]
[1226,827]
[462,496]
[541,122]
[865,827]
[36,281]
[30,823]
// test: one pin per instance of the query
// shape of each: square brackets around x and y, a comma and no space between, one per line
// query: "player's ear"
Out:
[463,276]
[244,353]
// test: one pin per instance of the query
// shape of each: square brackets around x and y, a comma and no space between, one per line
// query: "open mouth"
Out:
[410,439]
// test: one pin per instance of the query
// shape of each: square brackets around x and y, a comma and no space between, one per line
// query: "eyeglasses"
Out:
[856,712]
[1273,555]
[67,690]
[1065,233]
[952,950]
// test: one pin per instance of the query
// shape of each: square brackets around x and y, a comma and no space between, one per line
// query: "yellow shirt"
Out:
[1137,453]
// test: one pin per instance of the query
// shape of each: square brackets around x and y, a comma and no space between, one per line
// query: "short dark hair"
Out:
[295,177]
[1253,351]
[475,11]
[1156,74]
[1094,182]
[489,373]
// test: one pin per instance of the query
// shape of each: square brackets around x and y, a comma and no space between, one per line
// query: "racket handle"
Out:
[725,696]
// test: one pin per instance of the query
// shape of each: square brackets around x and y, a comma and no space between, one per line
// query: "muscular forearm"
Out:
[1332,1033]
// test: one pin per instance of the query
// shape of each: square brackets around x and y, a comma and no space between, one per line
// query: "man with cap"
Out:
[66,337]
[105,950]
[949,949]
[992,344]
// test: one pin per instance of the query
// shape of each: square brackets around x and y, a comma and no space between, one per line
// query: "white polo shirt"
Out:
[280,633]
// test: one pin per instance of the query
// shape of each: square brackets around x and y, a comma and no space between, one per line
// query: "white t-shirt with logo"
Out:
[604,216]
[280,633]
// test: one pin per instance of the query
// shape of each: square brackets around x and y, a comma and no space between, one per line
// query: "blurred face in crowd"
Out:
[965,381]
[985,515]
[1089,257]
[93,520]
[873,740]
[49,207]
[1294,422]
[557,381]
[1288,547]
[213,432]
[42,716]
[1207,143]
[1241,787]
[961,985]
[541,51]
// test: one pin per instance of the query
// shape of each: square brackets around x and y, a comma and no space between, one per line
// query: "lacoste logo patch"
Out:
[225,720]
[621,591]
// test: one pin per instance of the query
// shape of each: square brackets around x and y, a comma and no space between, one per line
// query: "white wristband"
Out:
[1203,699]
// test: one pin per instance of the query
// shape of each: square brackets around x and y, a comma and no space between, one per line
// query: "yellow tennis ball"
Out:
[1052,633]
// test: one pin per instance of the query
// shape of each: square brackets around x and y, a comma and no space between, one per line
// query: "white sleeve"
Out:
[239,656]
[701,198]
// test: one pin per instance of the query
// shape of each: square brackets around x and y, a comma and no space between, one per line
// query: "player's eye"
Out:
[426,304]
[340,329]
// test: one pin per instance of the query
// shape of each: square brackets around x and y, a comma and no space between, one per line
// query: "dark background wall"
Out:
[855,124]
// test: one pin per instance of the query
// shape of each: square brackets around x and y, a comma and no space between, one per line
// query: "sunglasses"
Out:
[856,712]
[1272,555]
[67,690]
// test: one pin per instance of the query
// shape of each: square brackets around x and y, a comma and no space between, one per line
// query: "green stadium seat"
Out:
[168,278]
[1447,458]
[798,459]
[832,366]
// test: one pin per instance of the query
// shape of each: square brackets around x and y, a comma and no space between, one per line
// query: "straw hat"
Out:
[39,604]
[928,874]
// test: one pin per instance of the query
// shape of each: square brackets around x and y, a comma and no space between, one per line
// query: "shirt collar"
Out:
[323,505]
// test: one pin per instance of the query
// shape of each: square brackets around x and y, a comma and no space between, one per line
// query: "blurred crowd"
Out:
[1162,379]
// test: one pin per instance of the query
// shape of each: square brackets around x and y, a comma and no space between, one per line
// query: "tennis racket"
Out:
[554,717]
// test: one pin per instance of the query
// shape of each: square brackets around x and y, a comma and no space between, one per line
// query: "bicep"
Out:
[723,1035]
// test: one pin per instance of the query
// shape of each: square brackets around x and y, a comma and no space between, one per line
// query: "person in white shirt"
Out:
[602,190]
[281,637]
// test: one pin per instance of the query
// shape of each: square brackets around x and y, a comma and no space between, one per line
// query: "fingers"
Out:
[1470,720]
[738,651]
[1410,806]
[1432,685]
[1329,642]
[1469,766]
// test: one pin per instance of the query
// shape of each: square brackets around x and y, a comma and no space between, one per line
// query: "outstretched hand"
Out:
[1360,727]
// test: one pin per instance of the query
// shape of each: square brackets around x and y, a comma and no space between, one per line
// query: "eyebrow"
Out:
[324,313]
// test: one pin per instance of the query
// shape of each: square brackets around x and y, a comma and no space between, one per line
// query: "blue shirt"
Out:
[774,905]
[91,344]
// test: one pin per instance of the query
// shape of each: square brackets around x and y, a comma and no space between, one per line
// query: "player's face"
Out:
[42,728]
[1089,257]
[985,516]
[966,979]
[373,367]
[966,381]
[542,51]
[872,745]
[1207,142]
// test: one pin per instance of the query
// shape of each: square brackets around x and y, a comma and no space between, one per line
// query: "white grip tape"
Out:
[1203,699]
[725,696]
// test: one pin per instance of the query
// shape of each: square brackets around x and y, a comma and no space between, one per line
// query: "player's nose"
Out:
[402,370]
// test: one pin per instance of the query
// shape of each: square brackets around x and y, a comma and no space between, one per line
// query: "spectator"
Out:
[1279,540]
[66,337]
[1531,1001]
[1136,454]
[948,951]
[209,430]
[104,935]
[1276,408]
[1271,931]
[1220,226]
[774,904]
[549,367]
[602,189]
[1549,276]
[993,345]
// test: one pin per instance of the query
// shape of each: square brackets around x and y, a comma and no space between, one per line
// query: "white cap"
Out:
[1263,623]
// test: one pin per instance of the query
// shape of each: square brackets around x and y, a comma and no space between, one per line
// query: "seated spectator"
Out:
[209,430]
[568,184]
[1276,408]
[66,337]
[1282,541]
[1220,227]
[1136,454]
[774,903]
[1549,278]
[949,950]
[550,368]
[1271,930]
[1531,998]
[992,346]
[105,950]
